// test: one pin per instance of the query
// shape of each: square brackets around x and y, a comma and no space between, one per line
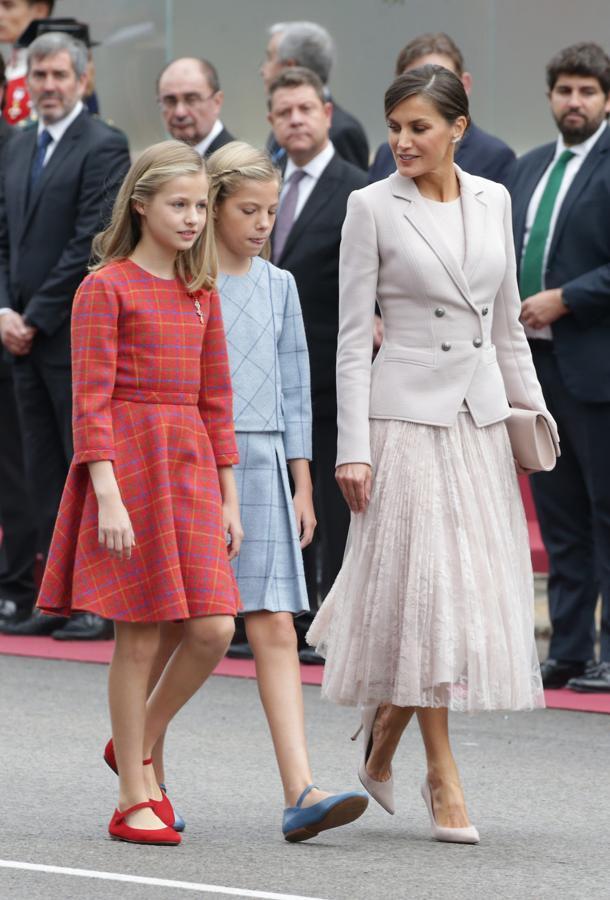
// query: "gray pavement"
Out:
[537,786]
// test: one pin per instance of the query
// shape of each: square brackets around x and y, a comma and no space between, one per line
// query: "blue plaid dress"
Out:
[272,411]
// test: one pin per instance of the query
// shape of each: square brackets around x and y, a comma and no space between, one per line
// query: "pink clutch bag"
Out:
[531,440]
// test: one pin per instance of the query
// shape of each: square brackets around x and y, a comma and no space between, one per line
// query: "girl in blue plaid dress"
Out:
[272,410]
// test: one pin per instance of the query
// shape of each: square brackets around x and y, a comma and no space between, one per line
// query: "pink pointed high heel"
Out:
[468,835]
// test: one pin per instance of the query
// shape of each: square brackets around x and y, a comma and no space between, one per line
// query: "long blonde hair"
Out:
[233,164]
[197,267]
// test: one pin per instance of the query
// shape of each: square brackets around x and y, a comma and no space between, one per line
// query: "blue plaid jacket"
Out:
[268,355]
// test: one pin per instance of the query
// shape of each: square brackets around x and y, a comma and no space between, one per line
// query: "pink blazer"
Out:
[451,332]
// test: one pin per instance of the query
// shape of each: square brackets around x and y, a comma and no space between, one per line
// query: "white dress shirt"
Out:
[58,129]
[211,136]
[580,152]
[313,170]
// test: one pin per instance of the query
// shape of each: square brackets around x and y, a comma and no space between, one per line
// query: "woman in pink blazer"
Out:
[433,607]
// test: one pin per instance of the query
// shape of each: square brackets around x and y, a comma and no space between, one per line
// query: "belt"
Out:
[162,398]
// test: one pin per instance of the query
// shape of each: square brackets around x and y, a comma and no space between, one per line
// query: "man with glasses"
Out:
[190,99]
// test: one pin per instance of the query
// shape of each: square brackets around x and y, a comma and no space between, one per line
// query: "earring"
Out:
[456,140]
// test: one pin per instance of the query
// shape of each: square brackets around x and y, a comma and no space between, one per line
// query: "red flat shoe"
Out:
[119,830]
[110,758]
[164,810]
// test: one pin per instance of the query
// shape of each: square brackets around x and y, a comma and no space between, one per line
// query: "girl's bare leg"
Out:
[274,643]
[134,653]
[204,642]
[171,635]
[443,776]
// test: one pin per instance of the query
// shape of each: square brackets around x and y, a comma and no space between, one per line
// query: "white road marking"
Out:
[153,882]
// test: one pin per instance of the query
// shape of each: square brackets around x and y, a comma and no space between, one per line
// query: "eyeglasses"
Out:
[169,102]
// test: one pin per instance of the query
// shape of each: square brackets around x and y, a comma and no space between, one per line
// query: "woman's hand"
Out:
[114,529]
[355,481]
[305,516]
[302,500]
[231,522]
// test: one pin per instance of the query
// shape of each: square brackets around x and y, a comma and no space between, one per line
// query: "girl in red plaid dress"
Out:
[150,497]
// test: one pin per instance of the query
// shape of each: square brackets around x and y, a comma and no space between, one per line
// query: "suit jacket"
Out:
[451,332]
[478,153]
[45,236]
[579,262]
[7,132]
[311,254]
[347,135]
[225,137]
[349,138]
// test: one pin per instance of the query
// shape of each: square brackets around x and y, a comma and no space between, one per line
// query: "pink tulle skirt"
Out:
[434,604]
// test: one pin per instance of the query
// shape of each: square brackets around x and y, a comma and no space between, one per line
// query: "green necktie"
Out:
[530,281]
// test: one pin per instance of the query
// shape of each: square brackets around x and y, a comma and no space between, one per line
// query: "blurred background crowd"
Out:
[84,88]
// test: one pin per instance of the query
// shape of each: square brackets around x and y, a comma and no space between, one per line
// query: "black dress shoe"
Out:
[309,656]
[240,651]
[556,673]
[37,625]
[594,681]
[12,613]
[85,627]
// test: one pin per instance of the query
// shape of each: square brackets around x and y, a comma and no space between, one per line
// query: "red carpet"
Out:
[101,651]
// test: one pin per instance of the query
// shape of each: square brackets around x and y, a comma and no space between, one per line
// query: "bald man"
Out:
[190,99]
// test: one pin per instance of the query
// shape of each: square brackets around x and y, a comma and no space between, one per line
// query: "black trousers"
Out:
[323,558]
[573,507]
[44,402]
[16,514]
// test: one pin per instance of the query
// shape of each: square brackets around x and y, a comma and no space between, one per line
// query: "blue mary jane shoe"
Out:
[179,823]
[301,823]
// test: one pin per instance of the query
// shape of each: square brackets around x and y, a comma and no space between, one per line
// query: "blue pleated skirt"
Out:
[269,568]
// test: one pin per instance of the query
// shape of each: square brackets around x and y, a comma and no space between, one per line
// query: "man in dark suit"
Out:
[190,98]
[57,187]
[310,46]
[18,550]
[561,198]
[305,240]
[478,152]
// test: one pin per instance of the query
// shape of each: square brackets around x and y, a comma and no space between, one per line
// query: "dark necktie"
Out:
[285,216]
[531,280]
[44,139]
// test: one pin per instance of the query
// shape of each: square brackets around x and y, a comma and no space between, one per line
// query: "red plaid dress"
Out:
[152,393]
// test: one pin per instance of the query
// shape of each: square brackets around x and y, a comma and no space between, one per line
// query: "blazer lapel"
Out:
[424,223]
[474,210]
[592,161]
[523,196]
[319,197]
[65,146]
[22,177]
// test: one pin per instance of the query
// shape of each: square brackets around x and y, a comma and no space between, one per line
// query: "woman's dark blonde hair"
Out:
[197,267]
[233,164]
